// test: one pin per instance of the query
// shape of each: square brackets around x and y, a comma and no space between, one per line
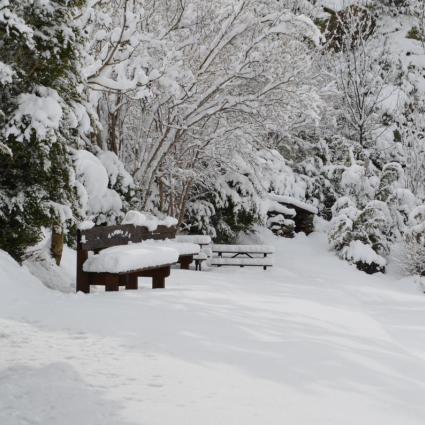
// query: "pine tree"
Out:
[39,81]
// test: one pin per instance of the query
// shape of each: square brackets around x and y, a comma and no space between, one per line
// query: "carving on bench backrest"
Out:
[107,236]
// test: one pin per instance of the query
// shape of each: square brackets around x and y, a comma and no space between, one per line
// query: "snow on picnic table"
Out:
[313,341]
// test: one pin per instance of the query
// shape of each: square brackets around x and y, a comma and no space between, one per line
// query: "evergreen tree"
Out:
[39,82]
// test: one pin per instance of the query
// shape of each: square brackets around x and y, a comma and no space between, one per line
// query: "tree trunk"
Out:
[56,247]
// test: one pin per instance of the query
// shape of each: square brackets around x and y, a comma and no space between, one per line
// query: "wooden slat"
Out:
[107,236]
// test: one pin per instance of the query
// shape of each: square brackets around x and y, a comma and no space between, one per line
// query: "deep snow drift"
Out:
[313,341]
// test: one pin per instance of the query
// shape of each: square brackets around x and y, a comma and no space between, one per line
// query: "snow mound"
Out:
[147,220]
[17,285]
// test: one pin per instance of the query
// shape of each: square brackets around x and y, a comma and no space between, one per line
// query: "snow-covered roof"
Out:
[284,199]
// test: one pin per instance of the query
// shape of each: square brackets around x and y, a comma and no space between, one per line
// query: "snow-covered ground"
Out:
[313,341]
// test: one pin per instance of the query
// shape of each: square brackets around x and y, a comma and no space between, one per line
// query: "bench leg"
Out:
[158,282]
[158,276]
[185,262]
[83,283]
[131,282]
[264,267]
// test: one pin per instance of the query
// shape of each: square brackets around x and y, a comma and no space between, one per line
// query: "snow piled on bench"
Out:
[148,220]
[181,247]
[121,259]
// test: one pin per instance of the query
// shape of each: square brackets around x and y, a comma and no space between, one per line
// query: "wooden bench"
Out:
[100,238]
[242,255]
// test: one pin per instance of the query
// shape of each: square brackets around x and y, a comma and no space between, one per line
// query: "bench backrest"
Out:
[101,237]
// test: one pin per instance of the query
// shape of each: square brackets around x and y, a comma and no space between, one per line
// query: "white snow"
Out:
[198,239]
[183,248]
[266,249]
[279,208]
[358,251]
[147,220]
[42,109]
[86,225]
[312,341]
[126,258]
[295,202]
[240,261]
[92,179]
[6,73]
[115,169]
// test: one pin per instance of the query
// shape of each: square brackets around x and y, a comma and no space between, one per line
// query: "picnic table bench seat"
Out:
[242,255]
[249,249]
[241,261]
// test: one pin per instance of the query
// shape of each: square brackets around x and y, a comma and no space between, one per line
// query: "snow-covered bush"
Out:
[361,236]
[364,257]
[413,260]
[119,179]
[97,202]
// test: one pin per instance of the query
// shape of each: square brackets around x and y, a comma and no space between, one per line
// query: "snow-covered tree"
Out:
[229,74]
[40,91]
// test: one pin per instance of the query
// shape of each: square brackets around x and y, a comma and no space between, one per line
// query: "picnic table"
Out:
[242,255]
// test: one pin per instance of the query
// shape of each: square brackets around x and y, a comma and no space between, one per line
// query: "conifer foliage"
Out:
[39,90]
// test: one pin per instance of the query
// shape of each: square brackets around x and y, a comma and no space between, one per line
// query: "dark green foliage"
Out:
[336,27]
[229,221]
[35,182]
[416,34]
